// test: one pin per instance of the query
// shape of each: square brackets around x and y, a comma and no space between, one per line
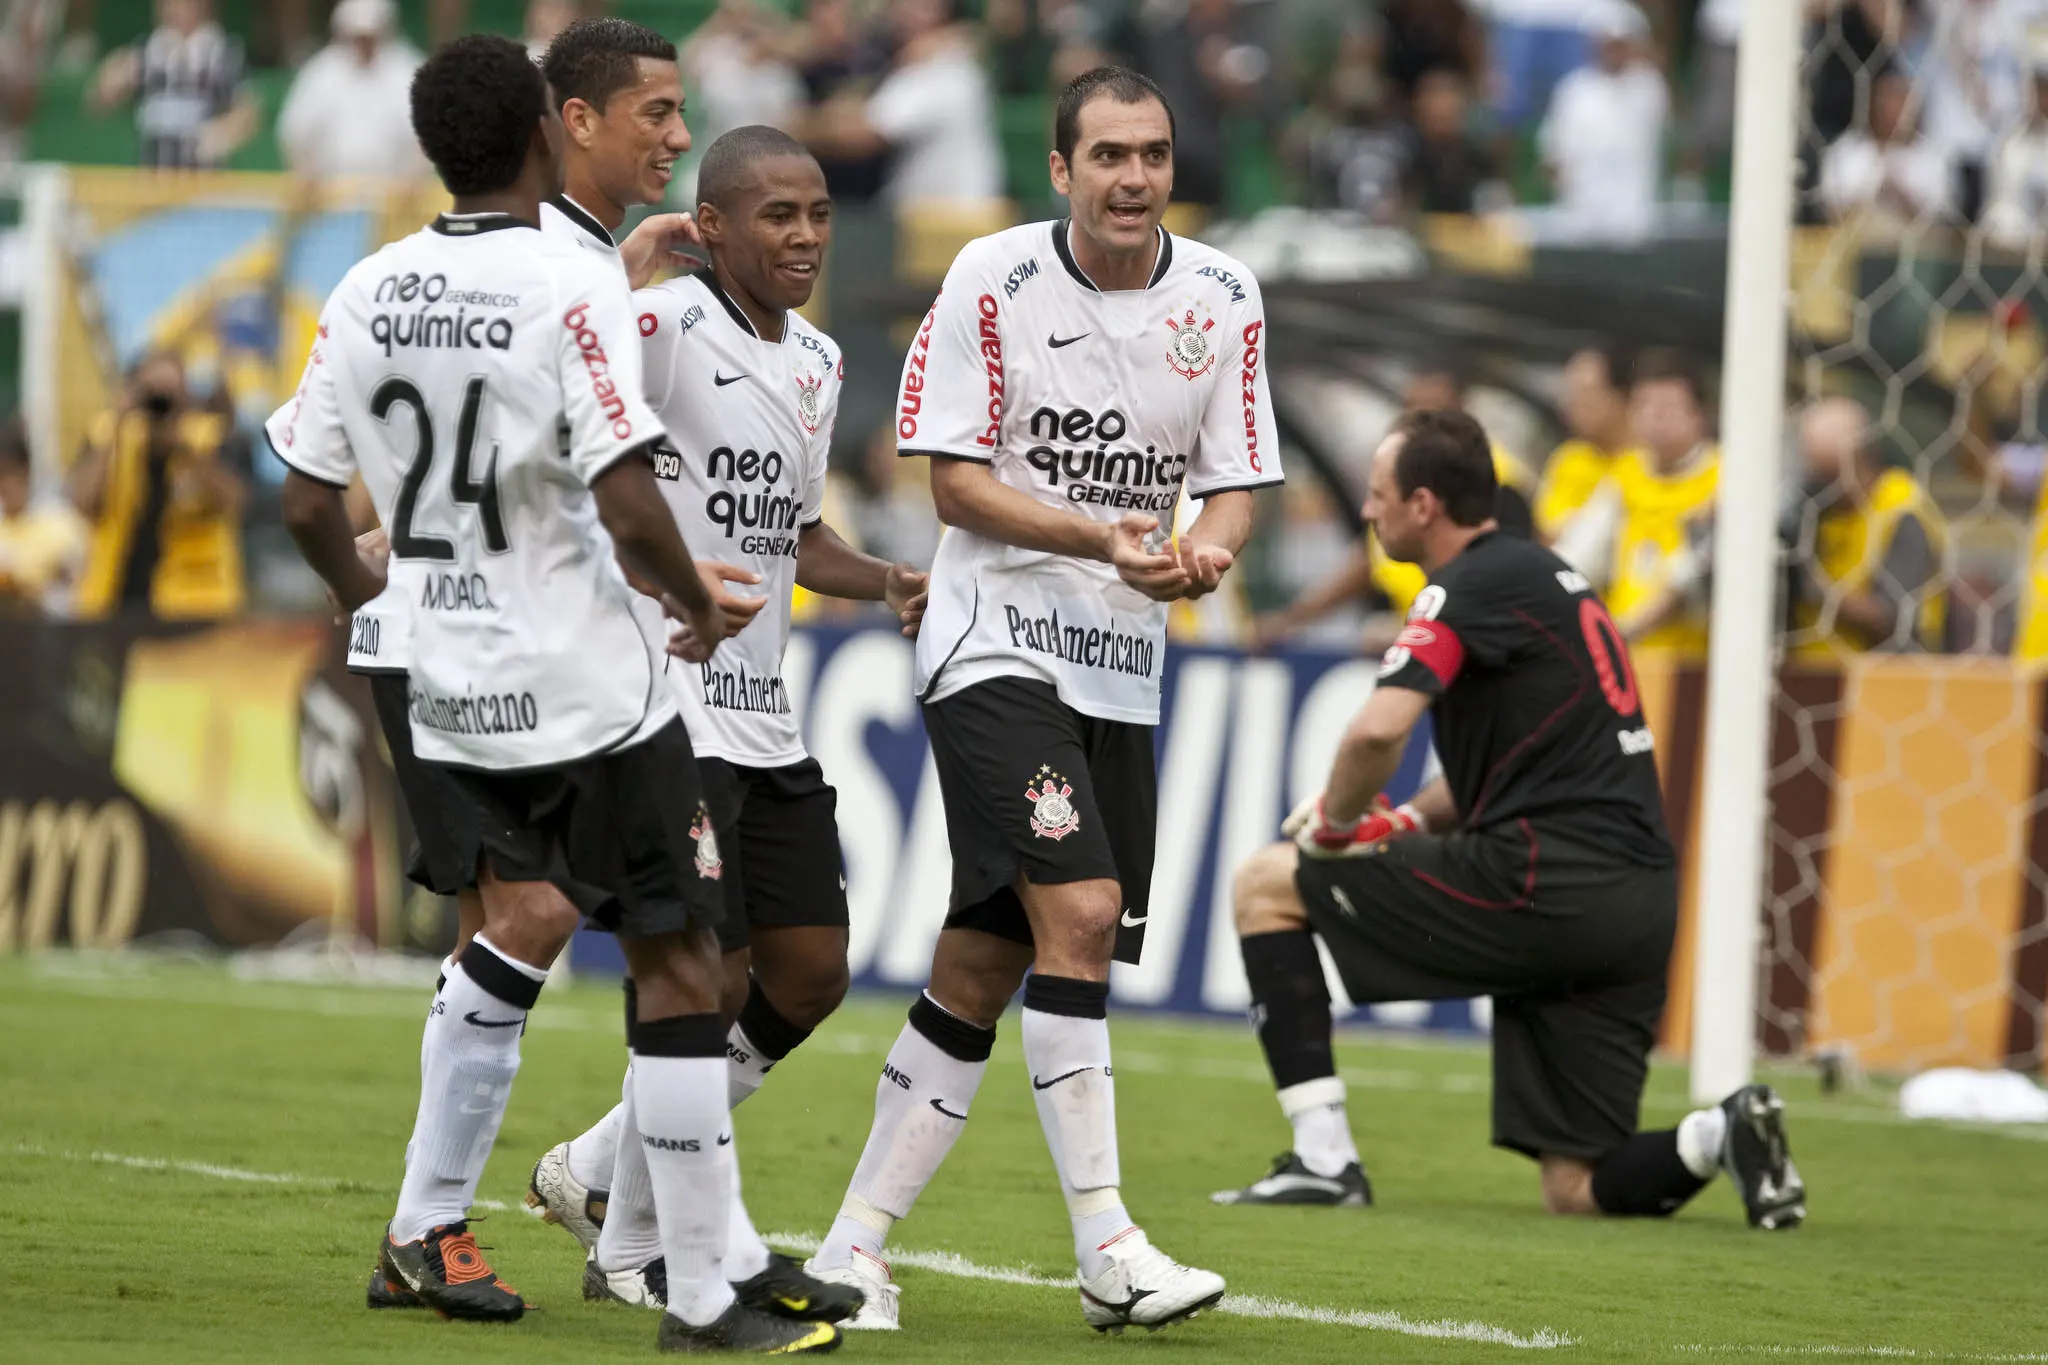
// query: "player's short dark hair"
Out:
[474,107]
[1660,364]
[594,59]
[1118,83]
[1449,453]
[728,166]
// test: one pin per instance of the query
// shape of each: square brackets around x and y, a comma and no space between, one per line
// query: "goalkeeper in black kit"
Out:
[1536,870]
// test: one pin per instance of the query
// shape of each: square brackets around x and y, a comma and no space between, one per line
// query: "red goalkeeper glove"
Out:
[1316,836]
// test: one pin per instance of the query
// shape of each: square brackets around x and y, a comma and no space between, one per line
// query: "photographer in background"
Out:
[41,546]
[163,481]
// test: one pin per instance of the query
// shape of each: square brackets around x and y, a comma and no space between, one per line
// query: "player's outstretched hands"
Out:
[1159,574]
[1317,837]
[658,242]
[693,640]
[1205,566]
[905,592]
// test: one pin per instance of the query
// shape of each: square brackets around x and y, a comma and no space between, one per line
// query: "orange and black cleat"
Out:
[447,1272]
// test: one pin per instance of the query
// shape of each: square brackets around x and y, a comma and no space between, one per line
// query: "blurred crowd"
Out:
[1594,121]
[1628,499]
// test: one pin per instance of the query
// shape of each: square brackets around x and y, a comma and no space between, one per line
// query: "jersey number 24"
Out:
[407,541]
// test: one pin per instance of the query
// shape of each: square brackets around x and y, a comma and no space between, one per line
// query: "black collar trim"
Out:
[746,323]
[471,224]
[1066,255]
[578,215]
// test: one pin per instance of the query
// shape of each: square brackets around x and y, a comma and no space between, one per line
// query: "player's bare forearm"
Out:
[826,564]
[1434,804]
[1225,522]
[968,495]
[1370,753]
[318,521]
[650,546]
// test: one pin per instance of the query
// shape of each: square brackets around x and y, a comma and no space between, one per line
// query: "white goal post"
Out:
[1745,552]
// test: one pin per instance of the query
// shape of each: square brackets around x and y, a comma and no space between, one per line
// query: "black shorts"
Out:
[437,858]
[1033,786]
[1572,946]
[625,835]
[779,839]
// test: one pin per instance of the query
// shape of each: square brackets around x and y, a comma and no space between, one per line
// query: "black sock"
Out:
[1290,1005]
[773,1035]
[1644,1178]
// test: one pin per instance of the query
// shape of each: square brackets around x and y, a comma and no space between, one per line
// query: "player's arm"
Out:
[611,432]
[826,564]
[949,407]
[307,434]
[1351,815]
[1237,449]
[317,518]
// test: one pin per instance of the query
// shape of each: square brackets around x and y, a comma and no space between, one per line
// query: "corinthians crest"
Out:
[1189,354]
[1052,811]
[709,864]
[807,400]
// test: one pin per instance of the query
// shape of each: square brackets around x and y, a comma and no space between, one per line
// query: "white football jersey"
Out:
[481,376]
[380,634]
[1101,403]
[749,425]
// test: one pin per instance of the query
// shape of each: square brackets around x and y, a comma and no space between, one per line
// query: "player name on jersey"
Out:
[749,426]
[499,566]
[1102,403]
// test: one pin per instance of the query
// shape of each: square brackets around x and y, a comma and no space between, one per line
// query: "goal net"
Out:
[1905,907]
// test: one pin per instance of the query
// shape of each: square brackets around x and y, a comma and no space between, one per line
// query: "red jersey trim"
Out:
[1435,646]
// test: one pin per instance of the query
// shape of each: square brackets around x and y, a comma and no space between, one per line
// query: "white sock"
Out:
[467,1065]
[430,1041]
[679,1105]
[1700,1136]
[746,1066]
[594,1152]
[746,1255]
[631,1235]
[921,1104]
[1067,1055]
[1322,1130]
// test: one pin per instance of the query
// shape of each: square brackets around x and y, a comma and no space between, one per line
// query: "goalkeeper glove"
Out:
[1317,837]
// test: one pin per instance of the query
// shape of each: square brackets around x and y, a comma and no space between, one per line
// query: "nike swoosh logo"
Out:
[1037,1084]
[725,1139]
[1057,342]
[940,1106]
[1131,921]
[471,1018]
[721,381]
[467,1109]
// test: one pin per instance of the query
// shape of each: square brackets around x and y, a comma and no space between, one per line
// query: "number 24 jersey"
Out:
[481,376]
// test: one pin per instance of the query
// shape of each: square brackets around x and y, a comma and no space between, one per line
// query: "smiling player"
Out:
[1071,381]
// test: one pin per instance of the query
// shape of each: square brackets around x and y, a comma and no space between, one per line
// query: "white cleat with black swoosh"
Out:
[1144,1287]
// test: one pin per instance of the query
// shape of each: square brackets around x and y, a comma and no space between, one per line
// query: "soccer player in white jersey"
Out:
[485,383]
[1072,381]
[747,392]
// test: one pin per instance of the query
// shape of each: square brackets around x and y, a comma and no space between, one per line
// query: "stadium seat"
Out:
[929,236]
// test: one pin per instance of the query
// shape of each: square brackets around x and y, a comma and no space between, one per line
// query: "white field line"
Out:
[345,1001]
[1239,1305]
[1860,1353]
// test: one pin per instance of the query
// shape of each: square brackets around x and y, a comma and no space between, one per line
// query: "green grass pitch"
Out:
[137,1101]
